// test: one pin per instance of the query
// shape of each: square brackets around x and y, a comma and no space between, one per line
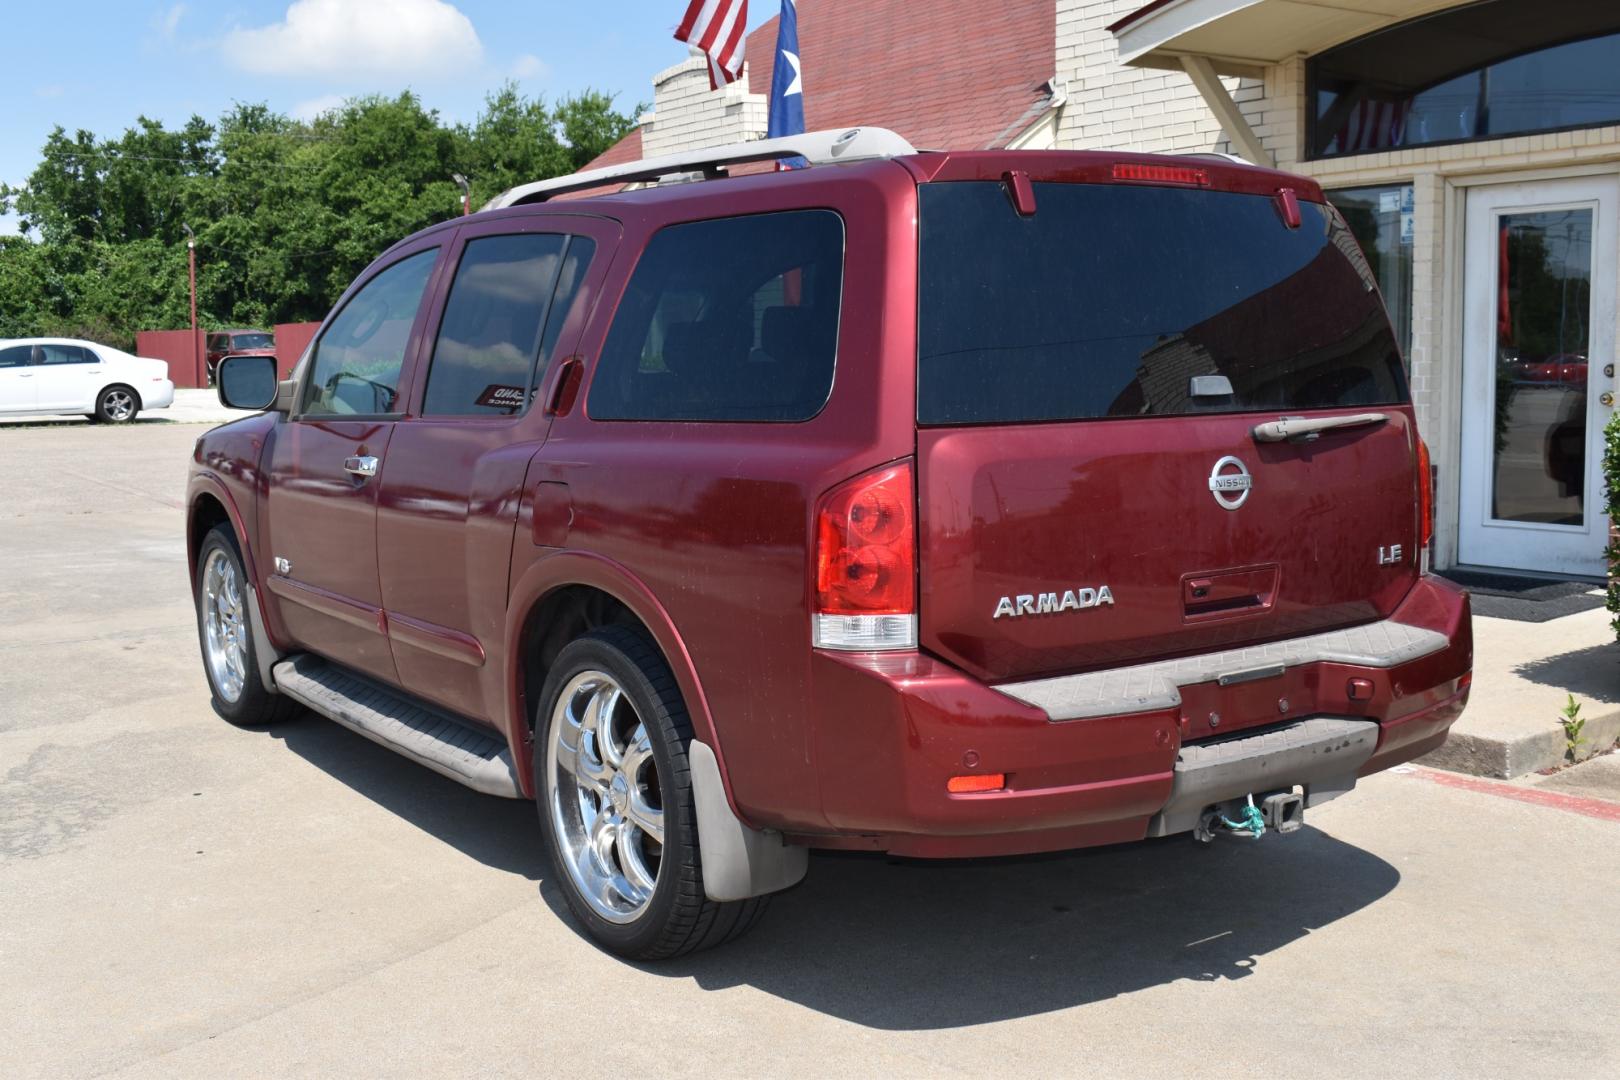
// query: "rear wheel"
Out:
[117,405]
[616,807]
[225,632]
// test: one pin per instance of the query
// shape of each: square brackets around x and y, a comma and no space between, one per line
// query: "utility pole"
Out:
[466,193]
[196,342]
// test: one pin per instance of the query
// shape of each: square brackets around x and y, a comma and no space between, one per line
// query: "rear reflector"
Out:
[966,785]
[866,564]
[1161,174]
[1425,496]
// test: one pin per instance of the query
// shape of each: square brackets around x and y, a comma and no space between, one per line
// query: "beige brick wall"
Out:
[1113,107]
[687,115]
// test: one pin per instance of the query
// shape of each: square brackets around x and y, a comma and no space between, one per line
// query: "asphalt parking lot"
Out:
[181,898]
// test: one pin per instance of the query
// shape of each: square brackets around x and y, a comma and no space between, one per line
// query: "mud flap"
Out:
[738,862]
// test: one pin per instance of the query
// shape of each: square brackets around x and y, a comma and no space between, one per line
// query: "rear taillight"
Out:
[1425,497]
[866,564]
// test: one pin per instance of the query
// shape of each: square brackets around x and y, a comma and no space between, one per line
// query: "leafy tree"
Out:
[286,212]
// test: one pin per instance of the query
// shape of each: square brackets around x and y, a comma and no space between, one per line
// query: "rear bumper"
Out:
[891,730]
[158,394]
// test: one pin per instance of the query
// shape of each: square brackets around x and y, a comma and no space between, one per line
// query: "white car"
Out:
[47,376]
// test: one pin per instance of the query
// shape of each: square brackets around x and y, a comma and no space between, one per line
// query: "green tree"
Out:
[286,212]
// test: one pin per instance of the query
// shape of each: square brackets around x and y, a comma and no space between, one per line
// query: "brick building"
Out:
[1473,147]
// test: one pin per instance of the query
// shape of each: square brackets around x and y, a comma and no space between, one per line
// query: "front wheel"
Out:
[615,795]
[225,632]
[117,405]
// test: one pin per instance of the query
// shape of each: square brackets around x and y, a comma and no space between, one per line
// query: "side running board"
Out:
[476,758]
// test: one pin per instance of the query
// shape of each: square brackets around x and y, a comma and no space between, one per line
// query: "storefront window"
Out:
[1380,218]
[1482,71]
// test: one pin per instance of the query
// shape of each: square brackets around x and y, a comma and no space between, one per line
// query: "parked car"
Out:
[939,504]
[49,376]
[223,343]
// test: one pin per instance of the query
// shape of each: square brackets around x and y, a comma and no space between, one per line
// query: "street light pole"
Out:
[196,342]
[466,193]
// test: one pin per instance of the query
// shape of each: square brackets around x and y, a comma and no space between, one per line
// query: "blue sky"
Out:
[98,64]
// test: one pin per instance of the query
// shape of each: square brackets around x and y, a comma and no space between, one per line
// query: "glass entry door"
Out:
[1538,350]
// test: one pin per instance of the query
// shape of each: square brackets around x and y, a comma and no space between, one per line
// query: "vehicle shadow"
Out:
[500,833]
[84,421]
[911,945]
[899,944]
[1592,672]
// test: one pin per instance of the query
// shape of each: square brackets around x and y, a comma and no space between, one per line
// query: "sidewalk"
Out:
[1522,674]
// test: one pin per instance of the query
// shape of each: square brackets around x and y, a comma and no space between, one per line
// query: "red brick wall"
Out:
[179,348]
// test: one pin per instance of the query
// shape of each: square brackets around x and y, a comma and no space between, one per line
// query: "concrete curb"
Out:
[1520,755]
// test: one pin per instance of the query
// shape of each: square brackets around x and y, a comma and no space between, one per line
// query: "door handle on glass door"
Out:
[361,465]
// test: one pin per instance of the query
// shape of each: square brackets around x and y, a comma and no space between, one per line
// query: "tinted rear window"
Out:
[1110,299]
[729,319]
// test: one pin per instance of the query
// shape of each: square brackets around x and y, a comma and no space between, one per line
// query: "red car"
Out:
[940,504]
[223,343]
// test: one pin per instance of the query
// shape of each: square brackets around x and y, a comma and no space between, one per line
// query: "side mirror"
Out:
[247,382]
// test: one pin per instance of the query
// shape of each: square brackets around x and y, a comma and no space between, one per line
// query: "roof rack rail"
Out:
[1216,155]
[816,147]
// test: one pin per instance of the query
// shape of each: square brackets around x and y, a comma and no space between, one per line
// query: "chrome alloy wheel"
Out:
[224,625]
[119,405]
[605,799]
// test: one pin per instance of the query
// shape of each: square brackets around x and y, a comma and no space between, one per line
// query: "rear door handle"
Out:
[364,465]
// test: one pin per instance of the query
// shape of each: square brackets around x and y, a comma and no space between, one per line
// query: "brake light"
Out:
[1160,174]
[1425,497]
[866,564]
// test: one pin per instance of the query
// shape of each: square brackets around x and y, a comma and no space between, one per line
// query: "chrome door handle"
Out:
[361,466]
[1606,397]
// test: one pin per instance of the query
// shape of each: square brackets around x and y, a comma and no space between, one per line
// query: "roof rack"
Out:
[816,147]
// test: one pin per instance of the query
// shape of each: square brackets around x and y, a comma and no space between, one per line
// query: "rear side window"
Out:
[357,361]
[1110,300]
[731,319]
[506,307]
[65,354]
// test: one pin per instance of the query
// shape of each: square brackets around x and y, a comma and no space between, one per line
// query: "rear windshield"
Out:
[1112,300]
[252,341]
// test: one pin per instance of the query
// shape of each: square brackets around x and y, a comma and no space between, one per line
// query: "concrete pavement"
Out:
[190,407]
[181,898]
[1523,674]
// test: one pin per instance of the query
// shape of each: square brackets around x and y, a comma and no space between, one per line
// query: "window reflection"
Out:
[1506,67]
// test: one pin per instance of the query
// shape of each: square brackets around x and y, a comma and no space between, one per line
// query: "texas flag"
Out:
[787,83]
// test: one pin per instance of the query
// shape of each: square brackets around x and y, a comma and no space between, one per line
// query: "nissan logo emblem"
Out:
[1230,488]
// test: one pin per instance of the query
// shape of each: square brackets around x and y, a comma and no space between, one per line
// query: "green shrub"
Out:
[1611,476]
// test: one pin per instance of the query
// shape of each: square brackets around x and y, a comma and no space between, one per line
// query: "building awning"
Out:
[1241,37]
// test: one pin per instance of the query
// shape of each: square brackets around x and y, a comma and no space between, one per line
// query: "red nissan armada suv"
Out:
[940,504]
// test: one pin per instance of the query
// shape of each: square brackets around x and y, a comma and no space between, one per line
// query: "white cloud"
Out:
[53,90]
[409,38]
[309,110]
[529,66]
[171,20]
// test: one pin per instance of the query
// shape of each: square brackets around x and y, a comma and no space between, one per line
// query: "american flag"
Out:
[717,28]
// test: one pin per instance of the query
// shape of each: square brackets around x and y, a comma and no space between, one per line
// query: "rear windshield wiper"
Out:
[1299,428]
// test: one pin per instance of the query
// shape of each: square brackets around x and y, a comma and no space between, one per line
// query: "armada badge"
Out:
[1231,489]
[1051,603]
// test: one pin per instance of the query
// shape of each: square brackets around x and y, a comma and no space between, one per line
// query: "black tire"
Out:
[111,407]
[679,919]
[254,706]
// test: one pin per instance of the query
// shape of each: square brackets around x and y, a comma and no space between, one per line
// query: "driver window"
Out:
[357,361]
